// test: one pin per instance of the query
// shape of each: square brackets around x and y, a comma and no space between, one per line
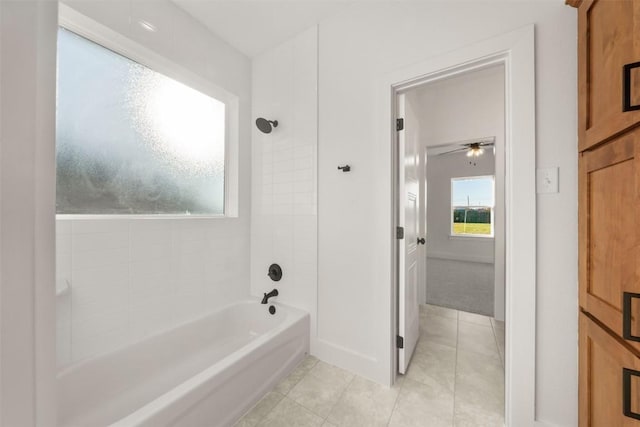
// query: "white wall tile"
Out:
[142,251]
[96,344]
[100,241]
[152,317]
[63,330]
[99,298]
[63,270]
[99,324]
[150,240]
[63,345]
[149,280]
[63,228]
[99,258]
[153,268]
[139,277]
[188,306]
[99,226]
[63,243]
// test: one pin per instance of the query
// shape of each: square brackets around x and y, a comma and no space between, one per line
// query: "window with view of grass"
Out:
[130,140]
[472,203]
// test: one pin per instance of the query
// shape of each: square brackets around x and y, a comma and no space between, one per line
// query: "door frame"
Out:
[516,51]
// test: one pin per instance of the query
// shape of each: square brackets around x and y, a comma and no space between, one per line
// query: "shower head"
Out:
[266,126]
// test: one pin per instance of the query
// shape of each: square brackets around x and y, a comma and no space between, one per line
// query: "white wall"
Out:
[284,173]
[359,47]
[135,277]
[27,207]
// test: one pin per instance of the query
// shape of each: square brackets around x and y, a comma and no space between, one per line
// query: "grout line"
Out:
[495,336]
[395,404]
[302,377]
[339,398]
[284,395]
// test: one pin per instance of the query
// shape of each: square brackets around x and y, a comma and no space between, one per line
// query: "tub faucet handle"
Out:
[273,293]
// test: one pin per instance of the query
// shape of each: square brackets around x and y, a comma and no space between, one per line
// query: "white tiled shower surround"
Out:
[132,278]
[284,220]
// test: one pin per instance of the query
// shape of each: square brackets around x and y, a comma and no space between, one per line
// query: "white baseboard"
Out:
[544,424]
[352,361]
[460,257]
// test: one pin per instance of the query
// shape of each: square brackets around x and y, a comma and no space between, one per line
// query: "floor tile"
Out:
[499,334]
[476,338]
[438,329]
[288,413]
[498,324]
[399,381]
[363,404]
[420,405]
[455,378]
[260,410]
[438,311]
[501,352]
[470,415]
[285,385]
[321,388]
[478,319]
[433,364]
[479,385]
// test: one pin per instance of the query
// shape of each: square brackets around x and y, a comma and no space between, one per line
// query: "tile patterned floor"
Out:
[455,379]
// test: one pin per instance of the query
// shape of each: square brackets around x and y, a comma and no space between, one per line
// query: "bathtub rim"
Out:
[82,363]
[293,318]
[181,391]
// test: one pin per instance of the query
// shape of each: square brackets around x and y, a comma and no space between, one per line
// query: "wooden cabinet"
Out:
[608,39]
[609,211]
[609,231]
[609,379]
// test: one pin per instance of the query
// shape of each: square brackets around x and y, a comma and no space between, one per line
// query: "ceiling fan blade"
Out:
[448,144]
[479,144]
[457,150]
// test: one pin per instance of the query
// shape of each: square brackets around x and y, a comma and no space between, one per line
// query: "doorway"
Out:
[451,259]
[515,51]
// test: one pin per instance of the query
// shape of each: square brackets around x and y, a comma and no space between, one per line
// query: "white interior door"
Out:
[422,223]
[408,253]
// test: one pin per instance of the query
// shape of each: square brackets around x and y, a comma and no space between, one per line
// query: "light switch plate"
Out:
[547,180]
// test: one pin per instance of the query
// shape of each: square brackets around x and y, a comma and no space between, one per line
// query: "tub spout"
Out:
[273,293]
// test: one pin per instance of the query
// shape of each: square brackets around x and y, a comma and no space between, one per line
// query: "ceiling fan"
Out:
[474,147]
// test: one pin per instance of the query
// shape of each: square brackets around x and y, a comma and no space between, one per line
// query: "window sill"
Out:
[469,237]
[74,217]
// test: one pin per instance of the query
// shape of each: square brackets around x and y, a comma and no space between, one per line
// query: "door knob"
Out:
[421,241]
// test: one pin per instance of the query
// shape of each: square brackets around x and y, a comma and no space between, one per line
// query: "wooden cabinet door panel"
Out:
[609,39]
[608,231]
[602,363]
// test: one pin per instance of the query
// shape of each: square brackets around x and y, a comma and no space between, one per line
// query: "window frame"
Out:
[98,33]
[452,234]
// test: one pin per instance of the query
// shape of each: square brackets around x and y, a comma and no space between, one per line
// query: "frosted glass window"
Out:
[130,140]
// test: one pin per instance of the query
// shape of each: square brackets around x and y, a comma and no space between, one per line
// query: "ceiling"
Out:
[254,26]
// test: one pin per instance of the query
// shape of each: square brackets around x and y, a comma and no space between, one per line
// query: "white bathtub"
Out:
[204,373]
